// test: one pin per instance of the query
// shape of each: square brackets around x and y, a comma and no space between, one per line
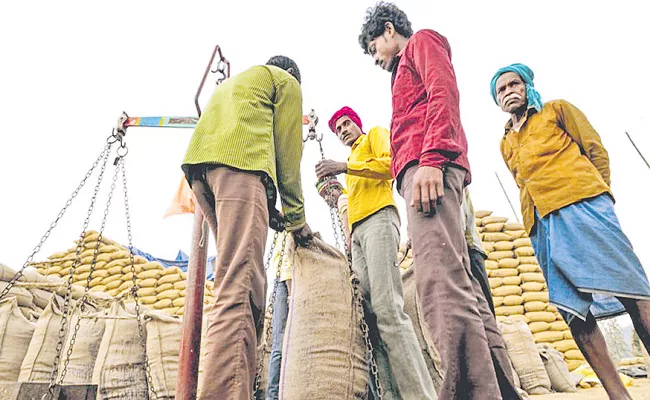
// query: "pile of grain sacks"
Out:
[518,286]
[159,288]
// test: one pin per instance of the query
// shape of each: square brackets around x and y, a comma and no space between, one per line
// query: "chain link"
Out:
[93,264]
[269,309]
[44,238]
[67,311]
[134,289]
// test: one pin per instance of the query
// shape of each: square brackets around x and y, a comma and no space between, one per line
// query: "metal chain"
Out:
[354,280]
[66,311]
[364,326]
[269,309]
[358,300]
[270,254]
[53,225]
[134,289]
[335,229]
[93,264]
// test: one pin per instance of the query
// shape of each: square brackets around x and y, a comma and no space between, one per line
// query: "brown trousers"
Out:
[235,205]
[453,306]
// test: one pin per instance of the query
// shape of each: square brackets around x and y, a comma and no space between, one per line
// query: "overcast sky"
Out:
[69,69]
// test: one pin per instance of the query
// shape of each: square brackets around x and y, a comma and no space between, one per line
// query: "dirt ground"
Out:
[639,391]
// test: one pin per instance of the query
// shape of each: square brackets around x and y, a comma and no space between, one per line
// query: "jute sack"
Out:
[84,351]
[324,354]
[431,355]
[15,333]
[163,350]
[38,362]
[6,273]
[119,369]
[557,370]
[23,297]
[525,357]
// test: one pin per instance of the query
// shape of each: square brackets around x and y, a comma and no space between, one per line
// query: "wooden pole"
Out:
[637,150]
[503,189]
[188,364]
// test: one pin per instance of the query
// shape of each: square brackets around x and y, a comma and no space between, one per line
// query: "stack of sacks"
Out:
[159,288]
[630,362]
[33,291]
[518,286]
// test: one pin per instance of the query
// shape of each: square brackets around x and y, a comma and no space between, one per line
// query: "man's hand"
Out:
[330,168]
[303,235]
[428,190]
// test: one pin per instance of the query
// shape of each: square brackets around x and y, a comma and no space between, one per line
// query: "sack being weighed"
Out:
[324,352]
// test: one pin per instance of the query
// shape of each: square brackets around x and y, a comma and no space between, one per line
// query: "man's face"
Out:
[384,49]
[511,92]
[347,131]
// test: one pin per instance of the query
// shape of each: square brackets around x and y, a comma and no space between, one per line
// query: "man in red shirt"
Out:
[430,164]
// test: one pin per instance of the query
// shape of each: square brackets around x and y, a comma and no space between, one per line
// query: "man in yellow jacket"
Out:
[374,224]
[562,169]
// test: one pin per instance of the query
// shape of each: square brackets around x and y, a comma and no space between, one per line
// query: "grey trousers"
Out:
[401,367]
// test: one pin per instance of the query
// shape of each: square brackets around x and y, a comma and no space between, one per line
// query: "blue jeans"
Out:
[280,312]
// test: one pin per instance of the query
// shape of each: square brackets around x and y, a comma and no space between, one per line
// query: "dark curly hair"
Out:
[285,63]
[375,23]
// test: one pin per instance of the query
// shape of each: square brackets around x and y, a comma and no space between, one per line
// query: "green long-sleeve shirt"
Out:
[253,122]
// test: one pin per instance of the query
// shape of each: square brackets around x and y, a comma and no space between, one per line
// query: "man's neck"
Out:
[518,116]
[401,41]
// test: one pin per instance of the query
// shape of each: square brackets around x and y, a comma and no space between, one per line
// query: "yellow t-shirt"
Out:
[368,180]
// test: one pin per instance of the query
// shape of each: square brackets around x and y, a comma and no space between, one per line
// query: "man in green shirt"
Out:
[247,143]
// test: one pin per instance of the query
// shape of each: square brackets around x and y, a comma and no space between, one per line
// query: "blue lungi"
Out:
[587,260]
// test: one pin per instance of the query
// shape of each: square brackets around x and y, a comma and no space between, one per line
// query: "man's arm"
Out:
[377,167]
[287,132]
[433,64]
[575,123]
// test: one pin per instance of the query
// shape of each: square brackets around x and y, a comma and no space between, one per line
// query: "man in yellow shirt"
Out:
[247,142]
[374,224]
[562,170]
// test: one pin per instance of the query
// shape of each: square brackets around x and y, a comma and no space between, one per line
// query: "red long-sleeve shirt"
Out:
[426,126]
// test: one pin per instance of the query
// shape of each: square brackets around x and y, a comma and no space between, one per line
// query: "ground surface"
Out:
[640,391]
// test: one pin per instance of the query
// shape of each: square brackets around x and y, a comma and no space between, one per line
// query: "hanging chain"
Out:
[269,309]
[82,301]
[16,277]
[356,293]
[66,311]
[134,289]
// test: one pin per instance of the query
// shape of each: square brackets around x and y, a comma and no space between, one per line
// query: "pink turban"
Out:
[340,113]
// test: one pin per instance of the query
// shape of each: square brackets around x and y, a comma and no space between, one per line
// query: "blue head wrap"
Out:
[527,75]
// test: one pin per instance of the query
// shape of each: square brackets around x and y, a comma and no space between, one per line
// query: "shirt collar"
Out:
[529,111]
[357,142]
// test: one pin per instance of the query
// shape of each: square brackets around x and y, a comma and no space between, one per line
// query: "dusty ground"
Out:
[640,391]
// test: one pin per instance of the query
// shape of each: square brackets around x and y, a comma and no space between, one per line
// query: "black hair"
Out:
[285,63]
[375,23]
